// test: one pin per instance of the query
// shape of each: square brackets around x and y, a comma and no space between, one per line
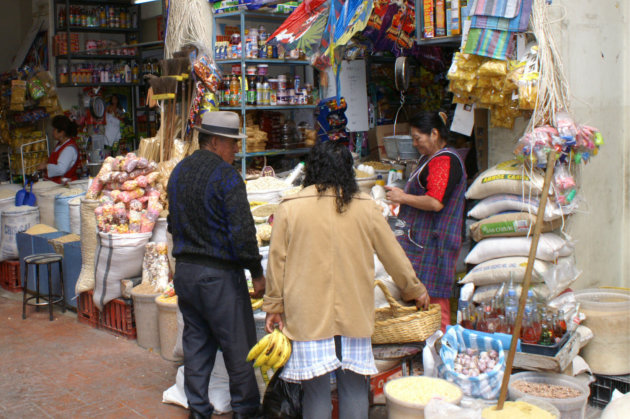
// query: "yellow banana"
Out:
[258,348]
[286,353]
[264,356]
[257,303]
[279,349]
[263,372]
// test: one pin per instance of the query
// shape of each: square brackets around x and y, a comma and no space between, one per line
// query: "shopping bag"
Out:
[486,385]
[283,400]
[24,197]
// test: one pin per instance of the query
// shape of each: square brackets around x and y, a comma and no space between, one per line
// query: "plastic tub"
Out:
[167,323]
[608,316]
[401,409]
[146,313]
[572,408]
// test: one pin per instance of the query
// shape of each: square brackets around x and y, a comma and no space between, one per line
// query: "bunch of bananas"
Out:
[272,351]
[256,303]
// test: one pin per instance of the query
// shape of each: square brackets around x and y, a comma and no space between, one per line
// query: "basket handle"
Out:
[395,305]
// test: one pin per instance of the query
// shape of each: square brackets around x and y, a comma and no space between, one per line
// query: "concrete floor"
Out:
[65,369]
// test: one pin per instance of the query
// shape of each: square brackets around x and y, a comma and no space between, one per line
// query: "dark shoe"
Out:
[257,414]
[196,415]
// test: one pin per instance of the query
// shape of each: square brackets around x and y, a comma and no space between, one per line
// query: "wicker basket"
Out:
[400,324]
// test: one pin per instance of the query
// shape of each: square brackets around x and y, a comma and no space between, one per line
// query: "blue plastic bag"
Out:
[486,385]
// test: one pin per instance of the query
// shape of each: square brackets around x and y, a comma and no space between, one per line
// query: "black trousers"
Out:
[217,313]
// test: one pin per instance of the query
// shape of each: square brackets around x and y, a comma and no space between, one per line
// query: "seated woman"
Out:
[64,161]
[320,282]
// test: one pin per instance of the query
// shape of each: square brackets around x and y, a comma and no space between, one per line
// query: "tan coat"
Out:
[320,272]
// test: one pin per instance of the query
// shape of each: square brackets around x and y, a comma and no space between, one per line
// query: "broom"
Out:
[171,68]
[164,88]
[186,53]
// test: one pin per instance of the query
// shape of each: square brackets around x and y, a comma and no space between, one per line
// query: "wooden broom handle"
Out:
[551,161]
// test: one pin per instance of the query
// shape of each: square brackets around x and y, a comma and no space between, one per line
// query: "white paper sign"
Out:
[464,119]
[354,90]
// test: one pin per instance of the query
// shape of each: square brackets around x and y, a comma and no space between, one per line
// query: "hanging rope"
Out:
[189,22]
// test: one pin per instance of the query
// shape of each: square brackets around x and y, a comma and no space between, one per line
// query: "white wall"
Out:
[593,42]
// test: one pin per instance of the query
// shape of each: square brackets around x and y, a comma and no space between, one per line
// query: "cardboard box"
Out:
[376,135]
[454,23]
[429,19]
[440,18]
[377,383]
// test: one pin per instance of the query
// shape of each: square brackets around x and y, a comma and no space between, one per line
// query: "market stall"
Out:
[521,340]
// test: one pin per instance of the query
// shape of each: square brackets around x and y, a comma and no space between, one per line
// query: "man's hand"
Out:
[395,195]
[272,320]
[422,302]
[259,287]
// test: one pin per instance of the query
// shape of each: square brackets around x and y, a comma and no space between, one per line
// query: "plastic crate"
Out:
[10,278]
[546,350]
[604,385]
[86,310]
[117,318]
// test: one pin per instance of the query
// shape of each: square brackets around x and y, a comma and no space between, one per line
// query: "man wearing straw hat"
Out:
[214,240]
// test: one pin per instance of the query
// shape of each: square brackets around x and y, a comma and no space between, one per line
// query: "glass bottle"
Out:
[502,326]
[481,324]
[560,325]
[466,320]
[546,332]
[234,91]
[529,332]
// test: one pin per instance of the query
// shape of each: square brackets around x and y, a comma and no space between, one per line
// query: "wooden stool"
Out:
[43,259]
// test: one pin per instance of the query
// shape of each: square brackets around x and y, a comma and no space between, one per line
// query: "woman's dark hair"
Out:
[426,121]
[329,165]
[63,123]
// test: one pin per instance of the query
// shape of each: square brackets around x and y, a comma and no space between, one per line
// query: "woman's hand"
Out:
[259,287]
[272,320]
[42,166]
[395,195]
[422,302]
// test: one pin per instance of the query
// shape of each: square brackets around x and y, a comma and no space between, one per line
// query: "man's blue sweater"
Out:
[209,216]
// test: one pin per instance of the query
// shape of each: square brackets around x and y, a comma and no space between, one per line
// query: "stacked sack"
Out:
[129,196]
[509,195]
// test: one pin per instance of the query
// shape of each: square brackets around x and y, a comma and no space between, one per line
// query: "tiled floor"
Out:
[65,369]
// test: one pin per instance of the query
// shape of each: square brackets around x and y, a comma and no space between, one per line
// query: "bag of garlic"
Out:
[155,267]
[479,370]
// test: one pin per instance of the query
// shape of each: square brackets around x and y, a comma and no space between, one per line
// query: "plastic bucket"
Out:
[167,323]
[571,408]
[607,314]
[401,409]
[146,313]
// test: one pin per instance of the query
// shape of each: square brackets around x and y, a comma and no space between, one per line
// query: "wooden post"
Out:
[516,332]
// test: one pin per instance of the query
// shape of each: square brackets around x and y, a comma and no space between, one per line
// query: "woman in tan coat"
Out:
[320,282]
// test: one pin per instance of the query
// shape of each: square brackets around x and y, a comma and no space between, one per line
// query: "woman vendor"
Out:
[432,205]
[320,282]
[64,161]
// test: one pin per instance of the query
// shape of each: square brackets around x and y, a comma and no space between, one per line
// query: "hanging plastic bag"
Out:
[283,400]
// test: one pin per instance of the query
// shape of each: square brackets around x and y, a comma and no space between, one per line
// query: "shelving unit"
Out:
[130,33]
[241,17]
